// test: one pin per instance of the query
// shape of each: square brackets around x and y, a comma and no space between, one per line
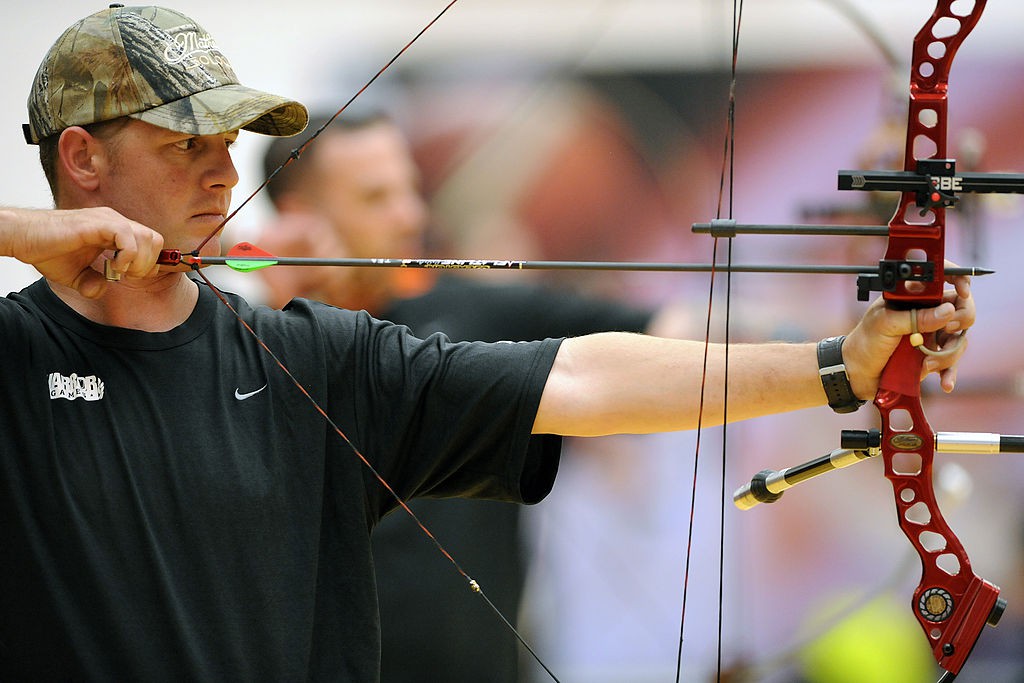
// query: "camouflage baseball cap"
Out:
[155,65]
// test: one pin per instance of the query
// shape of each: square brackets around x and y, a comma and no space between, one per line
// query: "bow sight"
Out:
[935,183]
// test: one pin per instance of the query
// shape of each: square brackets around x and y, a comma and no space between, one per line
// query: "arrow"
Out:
[245,257]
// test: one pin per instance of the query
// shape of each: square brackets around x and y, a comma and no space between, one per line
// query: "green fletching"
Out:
[243,266]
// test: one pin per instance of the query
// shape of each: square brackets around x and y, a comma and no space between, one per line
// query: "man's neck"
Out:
[152,305]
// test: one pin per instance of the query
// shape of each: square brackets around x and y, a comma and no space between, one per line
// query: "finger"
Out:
[125,251]
[964,315]
[946,365]
[947,379]
[963,286]
[933,319]
[962,283]
[90,283]
[148,245]
[947,375]
[137,258]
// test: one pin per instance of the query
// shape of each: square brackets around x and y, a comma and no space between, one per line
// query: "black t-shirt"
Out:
[173,508]
[430,621]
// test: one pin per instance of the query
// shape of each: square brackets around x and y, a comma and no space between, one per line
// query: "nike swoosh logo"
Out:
[242,397]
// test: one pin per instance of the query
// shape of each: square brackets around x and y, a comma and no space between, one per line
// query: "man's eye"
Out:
[186,144]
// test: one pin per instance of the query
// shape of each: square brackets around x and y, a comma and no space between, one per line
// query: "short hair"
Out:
[280,150]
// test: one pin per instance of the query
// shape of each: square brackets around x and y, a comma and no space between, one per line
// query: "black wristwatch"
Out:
[834,380]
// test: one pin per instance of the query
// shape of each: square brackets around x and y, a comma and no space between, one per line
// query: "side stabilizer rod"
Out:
[767,486]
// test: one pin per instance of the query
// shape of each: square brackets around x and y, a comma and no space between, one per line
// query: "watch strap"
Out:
[834,379]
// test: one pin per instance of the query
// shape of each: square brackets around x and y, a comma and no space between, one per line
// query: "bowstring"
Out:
[473,584]
[296,153]
[725,189]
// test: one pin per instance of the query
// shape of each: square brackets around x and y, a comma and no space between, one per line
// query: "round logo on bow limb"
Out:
[935,605]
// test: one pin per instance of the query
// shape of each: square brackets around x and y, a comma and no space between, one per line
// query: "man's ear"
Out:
[77,157]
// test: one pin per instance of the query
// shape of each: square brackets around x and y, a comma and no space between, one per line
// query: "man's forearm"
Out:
[628,383]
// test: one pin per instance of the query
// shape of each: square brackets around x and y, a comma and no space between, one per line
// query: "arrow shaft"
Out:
[729,228]
[503,264]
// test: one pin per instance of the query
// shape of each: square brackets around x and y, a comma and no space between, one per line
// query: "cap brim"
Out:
[227,108]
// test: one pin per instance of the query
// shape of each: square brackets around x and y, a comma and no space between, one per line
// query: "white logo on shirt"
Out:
[241,397]
[89,388]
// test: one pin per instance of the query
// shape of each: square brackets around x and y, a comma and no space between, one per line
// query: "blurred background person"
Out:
[357,194]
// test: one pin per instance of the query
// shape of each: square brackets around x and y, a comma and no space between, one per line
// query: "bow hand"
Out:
[877,336]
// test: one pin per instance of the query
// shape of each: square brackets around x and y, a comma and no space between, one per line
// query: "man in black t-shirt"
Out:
[172,505]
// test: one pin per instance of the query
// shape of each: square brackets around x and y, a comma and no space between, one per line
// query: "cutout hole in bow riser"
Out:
[900,419]
[946,27]
[918,513]
[931,541]
[912,216]
[925,147]
[928,118]
[908,464]
[962,8]
[948,563]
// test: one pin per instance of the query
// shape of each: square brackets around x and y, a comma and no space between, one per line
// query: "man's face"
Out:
[177,184]
[368,189]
